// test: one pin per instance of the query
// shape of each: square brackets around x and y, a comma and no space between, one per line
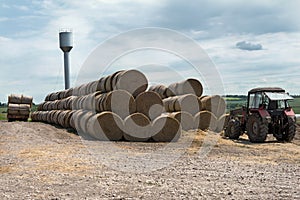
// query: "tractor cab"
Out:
[272,100]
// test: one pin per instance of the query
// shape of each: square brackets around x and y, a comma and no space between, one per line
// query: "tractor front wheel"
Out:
[233,130]
[257,130]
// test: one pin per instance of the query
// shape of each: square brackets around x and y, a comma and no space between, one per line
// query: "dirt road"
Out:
[40,161]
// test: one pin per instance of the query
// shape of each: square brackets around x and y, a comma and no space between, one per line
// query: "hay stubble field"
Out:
[40,161]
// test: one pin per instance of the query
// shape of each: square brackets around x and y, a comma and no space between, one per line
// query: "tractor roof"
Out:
[267,89]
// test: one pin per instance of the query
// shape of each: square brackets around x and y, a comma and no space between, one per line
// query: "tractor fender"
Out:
[263,113]
[289,112]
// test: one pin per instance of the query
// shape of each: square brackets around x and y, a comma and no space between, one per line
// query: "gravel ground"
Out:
[40,161]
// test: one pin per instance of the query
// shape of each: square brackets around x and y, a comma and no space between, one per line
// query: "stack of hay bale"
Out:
[184,101]
[118,107]
[18,107]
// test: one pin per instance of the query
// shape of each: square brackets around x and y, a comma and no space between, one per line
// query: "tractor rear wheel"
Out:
[233,130]
[257,130]
[290,130]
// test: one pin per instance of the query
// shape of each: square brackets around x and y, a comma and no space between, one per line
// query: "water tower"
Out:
[66,44]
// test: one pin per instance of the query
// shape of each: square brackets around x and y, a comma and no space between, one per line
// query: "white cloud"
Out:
[243,45]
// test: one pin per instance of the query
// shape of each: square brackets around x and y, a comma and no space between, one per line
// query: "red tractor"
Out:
[267,112]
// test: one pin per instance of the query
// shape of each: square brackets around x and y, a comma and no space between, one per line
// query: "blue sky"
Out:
[252,43]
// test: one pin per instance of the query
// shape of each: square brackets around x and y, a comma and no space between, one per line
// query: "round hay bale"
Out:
[222,122]
[55,116]
[189,86]
[92,87]
[101,85]
[61,118]
[215,104]
[84,120]
[76,120]
[26,100]
[120,102]
[68,118]
[40,106]
[47,98]
[61,95]
[205,120]
[137,128]
[133,81]
[15,99]
[188,103]
[185,119]
[115,77]
[47,105]
[108,86]
[161,90]
[54,96]
[69,92]
[165,129]
[49,116]
[89,102]
[106,126]
[150,104]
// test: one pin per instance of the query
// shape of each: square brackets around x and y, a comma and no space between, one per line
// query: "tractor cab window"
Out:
[281,104]
[255,100]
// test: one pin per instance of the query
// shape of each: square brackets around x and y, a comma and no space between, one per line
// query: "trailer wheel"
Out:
[233,129]
[257,130]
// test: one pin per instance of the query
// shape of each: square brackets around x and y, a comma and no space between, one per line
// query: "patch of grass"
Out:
[3,113]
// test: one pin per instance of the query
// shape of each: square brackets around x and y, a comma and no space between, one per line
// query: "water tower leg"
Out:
[67,71]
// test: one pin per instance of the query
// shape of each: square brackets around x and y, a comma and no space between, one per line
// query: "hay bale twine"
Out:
[150,104]
[120,102]
[106,126]
[137,128]
[133,81]
[165,129]
[189,86]
[215,104]
[205,120]
[222,122]
[185,119]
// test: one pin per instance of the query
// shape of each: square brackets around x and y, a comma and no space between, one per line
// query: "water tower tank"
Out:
[66,40]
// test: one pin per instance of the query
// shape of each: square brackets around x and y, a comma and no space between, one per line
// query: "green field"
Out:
[3,113]
[237,102]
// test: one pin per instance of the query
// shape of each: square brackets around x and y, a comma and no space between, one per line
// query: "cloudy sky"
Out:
[251,43]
